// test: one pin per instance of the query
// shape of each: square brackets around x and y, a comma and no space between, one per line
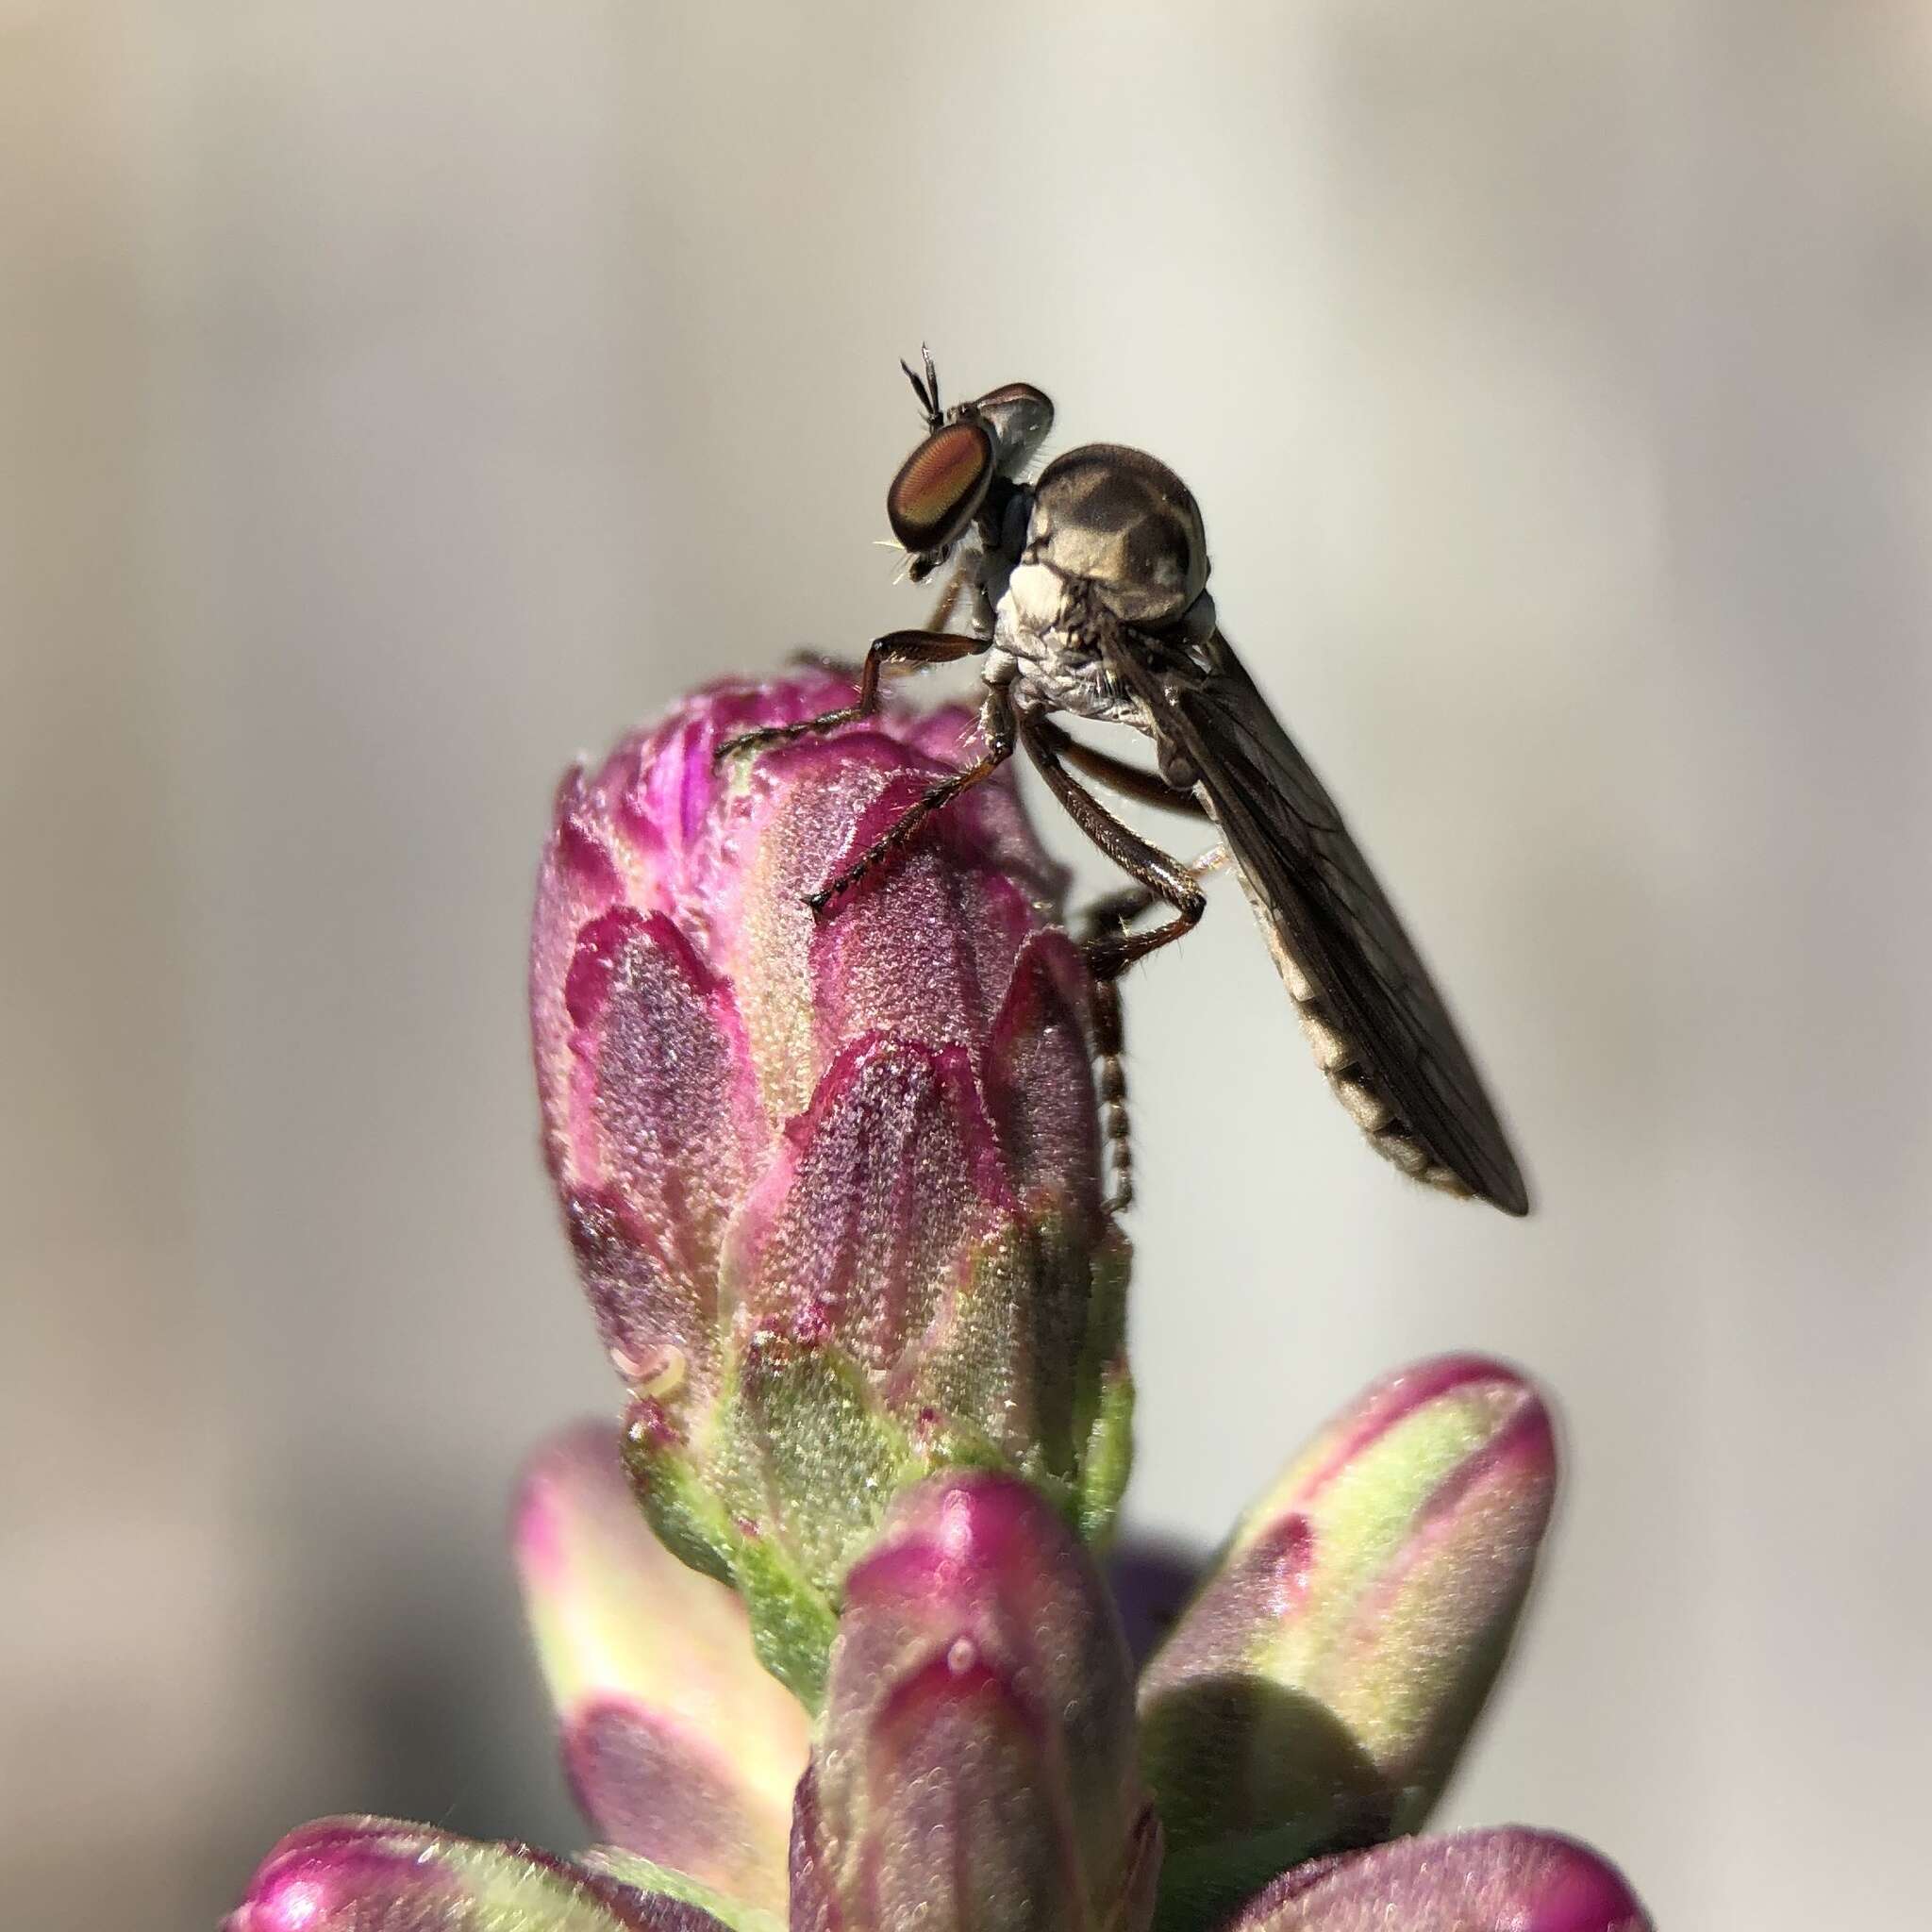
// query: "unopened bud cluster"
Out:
[852,1665]
[833,1183]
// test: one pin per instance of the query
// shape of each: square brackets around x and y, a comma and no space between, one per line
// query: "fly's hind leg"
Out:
[1109,1052]
[916,647]
[1105,919]
[1105,938]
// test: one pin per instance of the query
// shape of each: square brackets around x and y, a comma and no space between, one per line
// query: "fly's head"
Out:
[966,471]
[1129,532]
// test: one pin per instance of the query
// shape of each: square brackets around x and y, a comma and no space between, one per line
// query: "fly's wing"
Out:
[1378,1025]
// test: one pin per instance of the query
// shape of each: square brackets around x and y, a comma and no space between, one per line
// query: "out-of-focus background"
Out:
[395,400]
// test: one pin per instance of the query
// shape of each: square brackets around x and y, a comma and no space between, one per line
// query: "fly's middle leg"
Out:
[1130,780]
[1165,878]
[1115,912]
[996,726]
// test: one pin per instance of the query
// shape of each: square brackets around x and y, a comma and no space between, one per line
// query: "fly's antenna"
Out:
[926,387]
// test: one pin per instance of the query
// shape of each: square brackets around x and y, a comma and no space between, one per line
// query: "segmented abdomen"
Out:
[1387,1132]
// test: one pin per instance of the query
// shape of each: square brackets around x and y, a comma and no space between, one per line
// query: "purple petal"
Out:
[667,794]
[1323,1682]
[662,1103]
[652,1318]
[975,1756]
[673,1795]
[892,1180]
[376,1874]
[579,882]
[653,1126]
[924,947]
[677,1744]
[1506,1880]
[1041,1077]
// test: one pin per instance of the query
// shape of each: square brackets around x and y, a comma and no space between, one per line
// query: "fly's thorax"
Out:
[1032,617]
[1126,524]
[1058,665]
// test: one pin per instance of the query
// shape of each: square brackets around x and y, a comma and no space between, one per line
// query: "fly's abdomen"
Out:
[1342,1066]
[1388,1132]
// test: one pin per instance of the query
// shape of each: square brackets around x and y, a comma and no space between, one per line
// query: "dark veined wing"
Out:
[1380,1028]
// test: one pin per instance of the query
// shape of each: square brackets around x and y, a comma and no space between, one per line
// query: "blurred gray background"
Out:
[394,400]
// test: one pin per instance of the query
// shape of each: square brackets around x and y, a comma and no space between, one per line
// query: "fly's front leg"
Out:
[941,617]
[919,647]
[996,726]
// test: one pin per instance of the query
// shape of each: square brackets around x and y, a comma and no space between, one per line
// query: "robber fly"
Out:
[1088,595]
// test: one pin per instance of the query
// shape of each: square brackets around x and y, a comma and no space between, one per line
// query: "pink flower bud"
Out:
[679,1747]
[1317,1691]
[833,1183]
[374,1874]
[974,1767]
[1511,1880]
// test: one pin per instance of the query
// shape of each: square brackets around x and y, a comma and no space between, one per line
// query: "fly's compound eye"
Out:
[941,485]
[1019,416]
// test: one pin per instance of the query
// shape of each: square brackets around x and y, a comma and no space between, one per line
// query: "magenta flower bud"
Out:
[1510,1880]
[833,1183]
[974,1766]
[1317,1691]
[374,1874]
[679,1747]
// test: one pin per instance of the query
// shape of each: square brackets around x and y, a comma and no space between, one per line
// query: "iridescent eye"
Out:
[941,484]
